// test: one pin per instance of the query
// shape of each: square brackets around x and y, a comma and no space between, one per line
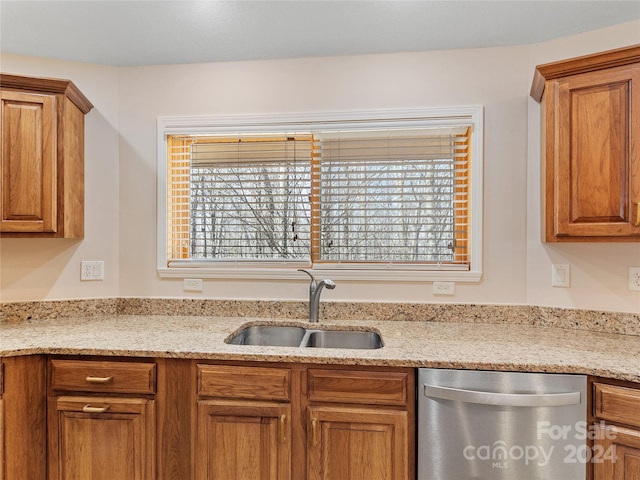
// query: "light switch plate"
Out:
[560,275]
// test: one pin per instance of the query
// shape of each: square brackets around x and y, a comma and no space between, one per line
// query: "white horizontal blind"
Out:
[394,196]
[248,197]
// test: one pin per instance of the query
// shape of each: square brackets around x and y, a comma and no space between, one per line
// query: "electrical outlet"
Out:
[444,288]
[92,270]
[633,282]
[192,285]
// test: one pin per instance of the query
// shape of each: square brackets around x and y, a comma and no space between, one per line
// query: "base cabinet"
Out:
[23,414]
[101,419]
[101,438]
[357,444]
[616,453]
[244,441]
[616,446]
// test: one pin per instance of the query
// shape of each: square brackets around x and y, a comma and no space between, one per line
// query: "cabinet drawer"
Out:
[358,386]
[258,383]
[103,376]
[617,404]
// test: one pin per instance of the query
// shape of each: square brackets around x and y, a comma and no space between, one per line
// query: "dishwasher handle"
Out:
[503,399]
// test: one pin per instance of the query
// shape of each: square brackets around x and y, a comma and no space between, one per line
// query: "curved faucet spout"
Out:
[315,288]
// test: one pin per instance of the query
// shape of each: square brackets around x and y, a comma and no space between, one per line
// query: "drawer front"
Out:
[358,386]
[617,404]
[103,376]
[257,383]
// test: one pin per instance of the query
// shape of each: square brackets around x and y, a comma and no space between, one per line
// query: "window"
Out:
[370,195]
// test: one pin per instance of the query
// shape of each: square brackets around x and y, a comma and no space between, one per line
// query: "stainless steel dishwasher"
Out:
[501,425]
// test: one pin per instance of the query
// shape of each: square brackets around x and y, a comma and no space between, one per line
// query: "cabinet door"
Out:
[101,438]
[357,444]
[595,160]
[616,453]
[29,172]
[243,441]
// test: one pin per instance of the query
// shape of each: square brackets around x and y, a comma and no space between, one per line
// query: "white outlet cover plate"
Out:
[444,288]
[91,270]
[633,283]
[192,285]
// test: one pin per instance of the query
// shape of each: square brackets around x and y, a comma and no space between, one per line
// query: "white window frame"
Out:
[238,124]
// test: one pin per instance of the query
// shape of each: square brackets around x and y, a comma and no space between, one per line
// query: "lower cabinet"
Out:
[616,445]
[616,453]
[243,441]
[283,422]
[88,418]
[101,438]
[101,420]
[23,418]
[357,443]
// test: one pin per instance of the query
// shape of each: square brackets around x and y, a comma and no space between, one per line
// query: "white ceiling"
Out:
[125,33]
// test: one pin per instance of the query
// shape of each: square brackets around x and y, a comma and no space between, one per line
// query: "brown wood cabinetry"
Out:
[616,445]
[591,156]
[244,422]
[108,434]
[42,157]
[23,444]
[295,421]
[360,424]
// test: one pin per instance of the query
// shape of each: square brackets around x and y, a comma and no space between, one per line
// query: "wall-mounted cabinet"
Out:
[42,162]
[590,149]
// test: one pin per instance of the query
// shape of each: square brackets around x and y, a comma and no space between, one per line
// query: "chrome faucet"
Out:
[314,294]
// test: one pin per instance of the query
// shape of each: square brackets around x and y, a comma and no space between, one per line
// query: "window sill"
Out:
[351,274]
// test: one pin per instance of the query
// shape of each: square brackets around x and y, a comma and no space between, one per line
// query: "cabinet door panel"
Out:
[29,152]
[101,438]
[357,444]
[243,441]
[616,453]
[597,182]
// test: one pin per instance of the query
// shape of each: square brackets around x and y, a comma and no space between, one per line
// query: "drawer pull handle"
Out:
[637,222]
[92,379]
[283,432]
[314,431]
[89,409]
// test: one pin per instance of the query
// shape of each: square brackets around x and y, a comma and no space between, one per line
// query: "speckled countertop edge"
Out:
[507,347]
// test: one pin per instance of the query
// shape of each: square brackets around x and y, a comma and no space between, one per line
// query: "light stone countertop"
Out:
[406,343]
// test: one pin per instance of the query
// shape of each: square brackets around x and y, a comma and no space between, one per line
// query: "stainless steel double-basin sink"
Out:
[293,336]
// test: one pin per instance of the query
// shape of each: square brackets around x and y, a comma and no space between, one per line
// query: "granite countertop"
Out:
[406,343]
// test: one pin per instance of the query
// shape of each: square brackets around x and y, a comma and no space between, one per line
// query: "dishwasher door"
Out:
[501,426]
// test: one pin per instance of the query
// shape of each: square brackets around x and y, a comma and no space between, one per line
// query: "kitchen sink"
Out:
[344,339]
[288,336]
[269,335]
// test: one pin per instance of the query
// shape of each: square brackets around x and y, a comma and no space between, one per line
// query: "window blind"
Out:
[395,196]
[246,198]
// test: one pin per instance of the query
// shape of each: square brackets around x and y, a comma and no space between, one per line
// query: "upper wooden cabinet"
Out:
[591,150]
[42,162]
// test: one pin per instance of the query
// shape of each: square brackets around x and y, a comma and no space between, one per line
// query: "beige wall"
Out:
[121,170]
[36,269]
